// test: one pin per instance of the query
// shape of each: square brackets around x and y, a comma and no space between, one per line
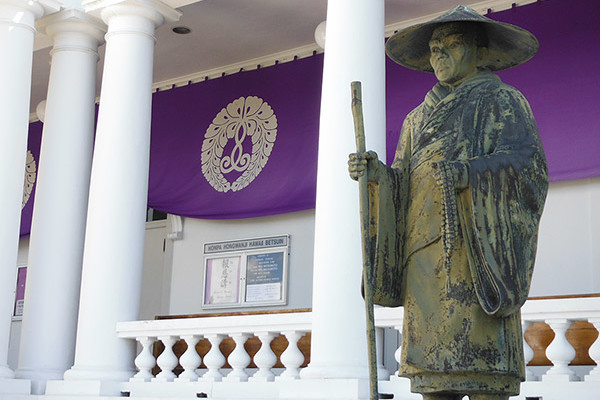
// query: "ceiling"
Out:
[228,32]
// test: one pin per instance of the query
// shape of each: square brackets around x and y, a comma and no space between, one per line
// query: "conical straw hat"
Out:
[509,45]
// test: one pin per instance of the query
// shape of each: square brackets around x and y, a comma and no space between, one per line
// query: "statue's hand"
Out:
[361,163]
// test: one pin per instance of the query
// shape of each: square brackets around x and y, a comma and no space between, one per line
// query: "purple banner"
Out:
[31,168]
[560,83]
[240,146]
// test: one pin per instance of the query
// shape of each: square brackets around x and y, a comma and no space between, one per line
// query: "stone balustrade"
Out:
[560,315]
[182,376]
[265,327]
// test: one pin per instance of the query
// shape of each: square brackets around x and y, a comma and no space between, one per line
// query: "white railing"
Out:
[168,331]
[561,381]
[560,314]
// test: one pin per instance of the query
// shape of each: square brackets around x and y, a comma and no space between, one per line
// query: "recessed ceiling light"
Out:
[182,30]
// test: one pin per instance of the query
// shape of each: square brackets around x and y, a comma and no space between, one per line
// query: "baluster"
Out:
[190,360]
[292,358]
[398,352]
[145,361]
[560,352]
[594,352]
[382,373]
[167,361]
[527,352]
[238,359]
[264,358]
[214,359]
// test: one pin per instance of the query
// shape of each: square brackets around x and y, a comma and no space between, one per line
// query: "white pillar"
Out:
[354,51]
[17,30]
[114,244]
[56,245]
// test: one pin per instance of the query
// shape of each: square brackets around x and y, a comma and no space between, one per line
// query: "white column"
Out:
[113,253]
[354,50]
[17,30]
[56,245]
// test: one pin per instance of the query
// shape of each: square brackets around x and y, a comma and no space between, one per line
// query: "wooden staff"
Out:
[363,191]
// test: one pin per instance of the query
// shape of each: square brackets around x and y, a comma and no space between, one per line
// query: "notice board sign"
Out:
[246,272]
[223,280]
[264,276]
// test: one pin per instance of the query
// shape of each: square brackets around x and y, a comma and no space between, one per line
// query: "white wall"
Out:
[156,271]
[187,272]
[568,257]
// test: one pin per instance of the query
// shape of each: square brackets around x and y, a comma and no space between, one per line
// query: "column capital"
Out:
[34,10]
[80,25]
[154,10]
[38,7]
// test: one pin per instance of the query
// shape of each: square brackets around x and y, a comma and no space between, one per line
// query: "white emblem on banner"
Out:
[30,172]
[247,120]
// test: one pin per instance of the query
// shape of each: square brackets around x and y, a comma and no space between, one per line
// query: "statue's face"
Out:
[452,57]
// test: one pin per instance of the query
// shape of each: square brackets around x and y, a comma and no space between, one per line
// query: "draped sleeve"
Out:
[501,208]
[388,205]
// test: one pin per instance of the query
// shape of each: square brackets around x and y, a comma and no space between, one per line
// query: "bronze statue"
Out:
[456,216]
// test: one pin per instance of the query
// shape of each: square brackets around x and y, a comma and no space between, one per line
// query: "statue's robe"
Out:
[462,326]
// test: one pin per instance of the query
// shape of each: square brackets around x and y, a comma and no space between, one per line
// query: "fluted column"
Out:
[113,252]
[17,18]
[58,226]
[354,50]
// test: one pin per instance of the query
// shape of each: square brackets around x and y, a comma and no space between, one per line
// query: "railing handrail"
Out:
[233,313]
[572,308]
[386,317]
[300,321]
[535,309]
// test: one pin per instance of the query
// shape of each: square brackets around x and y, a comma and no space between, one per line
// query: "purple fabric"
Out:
[560,83]
[181,117]
[34,142]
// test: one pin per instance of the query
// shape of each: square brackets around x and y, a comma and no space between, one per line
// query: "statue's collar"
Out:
[440,92]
